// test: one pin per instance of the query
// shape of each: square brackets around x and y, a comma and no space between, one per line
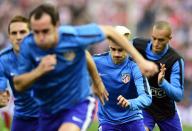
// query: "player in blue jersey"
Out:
[26,109]
[168,85]
[18,29]
[53,58]
[129,90]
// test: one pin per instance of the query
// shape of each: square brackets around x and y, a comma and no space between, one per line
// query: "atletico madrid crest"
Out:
[125,78]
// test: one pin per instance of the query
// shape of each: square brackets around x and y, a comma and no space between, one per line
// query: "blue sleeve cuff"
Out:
[130,106]
[164,84]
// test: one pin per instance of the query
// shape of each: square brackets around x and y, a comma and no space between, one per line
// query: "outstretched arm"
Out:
[98,86]
[147,68]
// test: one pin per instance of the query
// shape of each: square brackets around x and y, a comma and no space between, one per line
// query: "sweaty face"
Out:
[45,33]
[18,30]
[117,53]
[160,38]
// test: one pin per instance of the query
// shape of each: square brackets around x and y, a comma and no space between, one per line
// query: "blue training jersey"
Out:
[25,105]
[68,83]
[122,79]
[174,89]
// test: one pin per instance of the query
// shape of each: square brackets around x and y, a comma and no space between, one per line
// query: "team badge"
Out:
[125,78]
[69,55]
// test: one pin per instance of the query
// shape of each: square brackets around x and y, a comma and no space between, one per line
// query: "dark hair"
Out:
[49,9]
[18,18]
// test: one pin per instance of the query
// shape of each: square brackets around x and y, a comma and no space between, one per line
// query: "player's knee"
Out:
[146,129]
[69,127]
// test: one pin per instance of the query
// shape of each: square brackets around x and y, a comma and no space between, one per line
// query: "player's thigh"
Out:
[149,121]
[80,115]
[170,124]
[19,124]
[69,127]
[136,125]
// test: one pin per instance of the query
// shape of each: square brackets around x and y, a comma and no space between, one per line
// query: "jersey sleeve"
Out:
[3,79]
[143,89]
[175,88]
[82,36]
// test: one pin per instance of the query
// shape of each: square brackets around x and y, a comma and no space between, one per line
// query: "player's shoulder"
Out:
[80,29]
[28,38]
[131,61]
[175,53]
[66,29]
[27,41]
[140,41]
[100,58]
[6,51]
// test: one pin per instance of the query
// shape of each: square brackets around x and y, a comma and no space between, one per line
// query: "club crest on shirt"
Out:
[125,78]
[69,55]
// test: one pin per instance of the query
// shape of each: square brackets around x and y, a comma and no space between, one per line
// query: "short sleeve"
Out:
[3,79]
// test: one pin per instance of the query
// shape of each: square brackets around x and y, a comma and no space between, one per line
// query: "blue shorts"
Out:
[171,124]
[136,125]
[20,124]
[81,115]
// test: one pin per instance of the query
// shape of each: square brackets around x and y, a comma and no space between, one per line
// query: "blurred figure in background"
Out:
[26,111]
[168,85]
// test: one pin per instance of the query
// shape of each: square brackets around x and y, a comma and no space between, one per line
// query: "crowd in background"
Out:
[137,15]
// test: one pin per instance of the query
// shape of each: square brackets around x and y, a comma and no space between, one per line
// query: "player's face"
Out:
[18,30]
[160,38]
[118,54]
[45,33]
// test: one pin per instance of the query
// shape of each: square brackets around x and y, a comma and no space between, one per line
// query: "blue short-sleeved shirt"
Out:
[25,105]
[68,83]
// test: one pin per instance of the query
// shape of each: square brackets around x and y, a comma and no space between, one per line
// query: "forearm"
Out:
[176,93]
[175,88]
[92,69]
[24,81]
[140,102]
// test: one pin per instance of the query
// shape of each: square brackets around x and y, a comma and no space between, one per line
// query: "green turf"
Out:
[94,127]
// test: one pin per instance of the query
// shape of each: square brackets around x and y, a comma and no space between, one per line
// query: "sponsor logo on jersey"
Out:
[158,92]
[125,78]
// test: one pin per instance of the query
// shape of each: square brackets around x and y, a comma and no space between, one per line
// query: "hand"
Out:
[47,64]
[100,91]
[4,98]
[161,73]
[148,68]
[122,101]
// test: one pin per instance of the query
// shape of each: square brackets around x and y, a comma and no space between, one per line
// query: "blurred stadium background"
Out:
[137,15]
